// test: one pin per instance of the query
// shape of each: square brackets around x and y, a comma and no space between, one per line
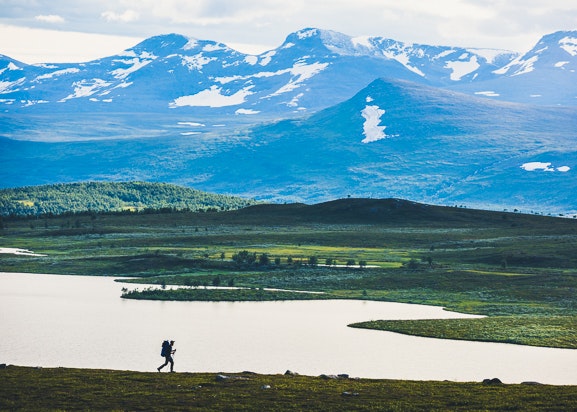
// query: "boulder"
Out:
[221,378]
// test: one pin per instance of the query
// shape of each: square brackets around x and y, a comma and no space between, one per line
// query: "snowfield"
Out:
[371,129]
[544,166]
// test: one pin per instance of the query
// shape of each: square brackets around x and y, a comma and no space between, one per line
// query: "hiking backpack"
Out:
[165,348]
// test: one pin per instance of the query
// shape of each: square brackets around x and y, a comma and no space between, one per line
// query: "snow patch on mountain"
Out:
[363,41]
[12,66]
[29,103]
[525,66]
[462,67]
[62,72]
[85,88]
[403,58]
[569,44]
[196,124]
[544,166]
[196,62]
[212,98]
[488,93]
[371,128]
[214,47]
[267,57]
[247,111]
[305,34]
[252,60]
[301,72]
[490,55]
[7,87]
[135,65]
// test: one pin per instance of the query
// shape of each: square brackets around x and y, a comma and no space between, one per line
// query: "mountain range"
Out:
[323,116]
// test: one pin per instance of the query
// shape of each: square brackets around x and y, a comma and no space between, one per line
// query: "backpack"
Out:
[165,348]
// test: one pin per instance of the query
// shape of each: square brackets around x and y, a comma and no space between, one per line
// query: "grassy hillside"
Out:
[33,389]
[109,197]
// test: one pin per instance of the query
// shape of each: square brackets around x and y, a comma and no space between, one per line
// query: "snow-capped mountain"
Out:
[323,116]
[311,70]
[545,75]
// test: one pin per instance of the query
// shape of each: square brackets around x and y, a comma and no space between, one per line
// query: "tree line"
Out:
[58,199]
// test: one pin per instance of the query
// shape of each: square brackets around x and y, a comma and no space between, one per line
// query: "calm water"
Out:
[73,321]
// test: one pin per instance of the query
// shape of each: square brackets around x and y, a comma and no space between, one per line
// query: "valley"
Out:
[517,269]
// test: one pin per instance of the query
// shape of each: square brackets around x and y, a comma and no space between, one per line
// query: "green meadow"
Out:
[518,270]
[63,389]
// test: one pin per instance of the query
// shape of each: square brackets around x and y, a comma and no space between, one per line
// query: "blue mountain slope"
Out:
[392,139]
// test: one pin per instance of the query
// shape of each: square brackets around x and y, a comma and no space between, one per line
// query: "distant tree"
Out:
[222,256]
[313,261]
[216,281]
[264,259]
[244,257]
[329,261]
[188,281]
[362,263]
[289,260]
[413,264]
[350,262]
[277,261]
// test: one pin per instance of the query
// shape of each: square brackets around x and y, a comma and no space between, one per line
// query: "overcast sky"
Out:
[79,30]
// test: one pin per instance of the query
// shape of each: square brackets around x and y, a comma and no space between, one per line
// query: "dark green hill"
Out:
[395,212]
[111,197]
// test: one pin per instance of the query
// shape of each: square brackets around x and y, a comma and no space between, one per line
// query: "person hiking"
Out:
[167,352]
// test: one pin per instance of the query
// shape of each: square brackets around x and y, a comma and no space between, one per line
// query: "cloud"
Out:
[503,24]
[126,17]
[49,18]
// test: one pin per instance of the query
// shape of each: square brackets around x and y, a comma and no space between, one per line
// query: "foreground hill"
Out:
[111,197]
[76,389]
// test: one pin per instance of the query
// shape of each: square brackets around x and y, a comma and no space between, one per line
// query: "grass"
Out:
[76,389]
[558,331]
[517,269]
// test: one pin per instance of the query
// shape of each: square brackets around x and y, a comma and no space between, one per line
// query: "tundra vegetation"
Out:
[62,389]
[517,269]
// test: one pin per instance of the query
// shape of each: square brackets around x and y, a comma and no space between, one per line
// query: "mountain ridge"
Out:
[311,70]
[324,116]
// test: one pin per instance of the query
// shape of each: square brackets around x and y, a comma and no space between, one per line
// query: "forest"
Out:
[69,198]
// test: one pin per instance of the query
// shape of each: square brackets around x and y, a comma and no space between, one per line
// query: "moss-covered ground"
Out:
[33,389]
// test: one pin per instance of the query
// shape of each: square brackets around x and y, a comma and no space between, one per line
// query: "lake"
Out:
[81,321]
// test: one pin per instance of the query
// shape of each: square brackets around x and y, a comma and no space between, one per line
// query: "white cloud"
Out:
[51,46]
[126,17]
[49,18]
[512,24]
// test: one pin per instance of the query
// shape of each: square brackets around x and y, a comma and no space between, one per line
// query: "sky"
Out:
[53,31]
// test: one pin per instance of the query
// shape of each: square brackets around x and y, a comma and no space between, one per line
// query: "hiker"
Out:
[167,353]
